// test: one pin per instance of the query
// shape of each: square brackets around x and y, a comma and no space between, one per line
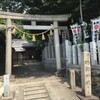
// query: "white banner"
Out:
[76,31]
[95,29]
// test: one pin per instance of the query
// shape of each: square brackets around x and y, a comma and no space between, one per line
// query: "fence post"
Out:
[93,53]
[74,53]
[68,53]
[72,79]
[86,47]
[79,53]
[98,44]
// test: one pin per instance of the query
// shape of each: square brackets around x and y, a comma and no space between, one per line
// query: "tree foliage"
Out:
[90,7]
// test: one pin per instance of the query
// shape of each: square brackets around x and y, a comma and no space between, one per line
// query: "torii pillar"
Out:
[8,69]
[57,46]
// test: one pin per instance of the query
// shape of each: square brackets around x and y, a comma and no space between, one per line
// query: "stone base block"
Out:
[10,97]
[12,78]
[82,97]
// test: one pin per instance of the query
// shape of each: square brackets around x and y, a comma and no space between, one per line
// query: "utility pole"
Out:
[84,24]
[81,13]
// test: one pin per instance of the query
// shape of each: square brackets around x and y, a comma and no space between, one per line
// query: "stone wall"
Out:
[50,64]
[95,81]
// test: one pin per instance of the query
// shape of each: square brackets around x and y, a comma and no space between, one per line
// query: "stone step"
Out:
[35,85]
[35,97]
[35,92]
[43,99]
[34,88]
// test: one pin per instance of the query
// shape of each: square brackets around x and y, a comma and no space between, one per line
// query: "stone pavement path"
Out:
[46,90]
[36,92]
[33,83]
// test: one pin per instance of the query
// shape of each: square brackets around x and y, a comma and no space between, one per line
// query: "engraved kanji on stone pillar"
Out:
[86,73]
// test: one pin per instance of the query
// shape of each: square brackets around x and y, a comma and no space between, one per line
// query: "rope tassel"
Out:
[33,38]
[13,31]
[51,33]
[23,37]
[43,37]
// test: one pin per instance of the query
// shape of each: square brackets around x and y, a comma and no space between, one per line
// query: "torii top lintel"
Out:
[18,16]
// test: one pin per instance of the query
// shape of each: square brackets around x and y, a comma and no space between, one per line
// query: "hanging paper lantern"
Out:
[33,38]
[43,37]
[51,33]
[23,37]
[13,31]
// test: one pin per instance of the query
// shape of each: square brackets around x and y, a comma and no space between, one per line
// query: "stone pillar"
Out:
[74,54]
[52,51]
[98,44]
[86,74]
[6,85]
[79,53]
[85,47]
[61,51]
[64,50]
[57,46]
[8,69]
[45,52]
[49,50]
[68,52]
[72,79]
[93,53]
[33,23]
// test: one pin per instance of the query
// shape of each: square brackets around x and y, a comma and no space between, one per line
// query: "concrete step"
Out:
[34,88]
[37,96]
[43,99]
[35,85]
[34,92]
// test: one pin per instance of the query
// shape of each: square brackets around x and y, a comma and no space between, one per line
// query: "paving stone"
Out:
[34,88]
[43,99]
[35,92]
[28,97]
[35,85]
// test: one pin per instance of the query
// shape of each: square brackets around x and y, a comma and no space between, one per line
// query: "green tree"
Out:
[90,7]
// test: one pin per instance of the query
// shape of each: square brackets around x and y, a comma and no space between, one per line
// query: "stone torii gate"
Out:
[33,18]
